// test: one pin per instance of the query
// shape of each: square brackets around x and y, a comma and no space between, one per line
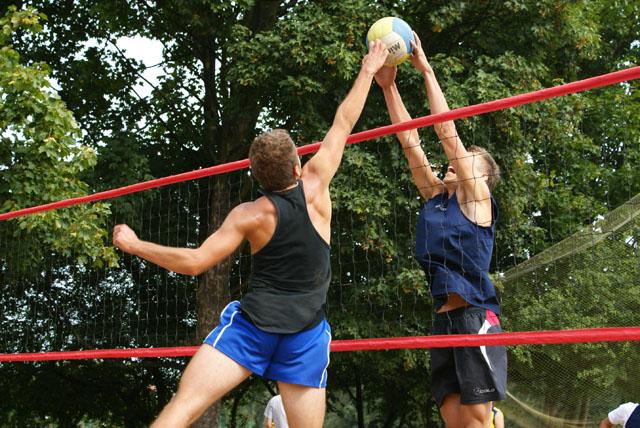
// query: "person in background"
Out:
[627,415]
[274,415]
[497,417]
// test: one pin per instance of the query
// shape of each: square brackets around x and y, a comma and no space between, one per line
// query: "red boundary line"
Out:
[550,337]
[501,104]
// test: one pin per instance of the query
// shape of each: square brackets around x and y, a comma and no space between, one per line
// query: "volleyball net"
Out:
[565,260]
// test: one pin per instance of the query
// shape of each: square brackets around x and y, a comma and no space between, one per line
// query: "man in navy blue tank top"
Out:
[278,330]
[454,243]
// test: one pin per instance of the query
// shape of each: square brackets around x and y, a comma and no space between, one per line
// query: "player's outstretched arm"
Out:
[446,131]
[326,161]
[188,261]
[458,156]
[428,184]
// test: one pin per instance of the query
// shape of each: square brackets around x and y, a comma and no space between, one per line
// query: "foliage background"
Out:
[232,69]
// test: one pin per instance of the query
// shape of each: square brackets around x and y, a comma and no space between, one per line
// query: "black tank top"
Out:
[290,275]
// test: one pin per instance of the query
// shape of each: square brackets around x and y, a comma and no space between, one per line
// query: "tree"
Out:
[42,158]
[234,68]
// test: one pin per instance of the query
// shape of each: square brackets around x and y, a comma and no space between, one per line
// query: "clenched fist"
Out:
[124,238]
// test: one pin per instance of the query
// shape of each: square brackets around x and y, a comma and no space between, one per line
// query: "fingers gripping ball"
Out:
[396,35]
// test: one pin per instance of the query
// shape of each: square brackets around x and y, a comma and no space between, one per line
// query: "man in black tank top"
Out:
[278,331]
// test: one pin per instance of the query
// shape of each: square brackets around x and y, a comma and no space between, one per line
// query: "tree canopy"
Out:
[42,157]
[232,69]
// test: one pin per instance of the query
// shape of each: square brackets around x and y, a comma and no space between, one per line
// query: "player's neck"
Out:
[451,189]
[294,185]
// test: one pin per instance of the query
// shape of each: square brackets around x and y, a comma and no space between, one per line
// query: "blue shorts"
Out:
[298,358]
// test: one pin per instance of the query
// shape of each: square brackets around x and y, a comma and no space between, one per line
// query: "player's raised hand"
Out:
[386,76]
[419,59]
[375,58]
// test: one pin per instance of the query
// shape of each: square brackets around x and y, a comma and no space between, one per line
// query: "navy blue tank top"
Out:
[290,275]
[455,253]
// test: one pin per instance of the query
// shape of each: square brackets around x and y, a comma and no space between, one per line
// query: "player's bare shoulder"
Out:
[256,220]
[256,213]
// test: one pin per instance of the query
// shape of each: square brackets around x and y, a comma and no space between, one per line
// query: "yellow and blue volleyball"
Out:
[396,34]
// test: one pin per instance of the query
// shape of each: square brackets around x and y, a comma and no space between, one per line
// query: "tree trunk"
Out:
[213,287]
[224,135]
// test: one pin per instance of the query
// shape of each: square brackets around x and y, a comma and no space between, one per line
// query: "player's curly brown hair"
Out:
[491,167]
[273,156]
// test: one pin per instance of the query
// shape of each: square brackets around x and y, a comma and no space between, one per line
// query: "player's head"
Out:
[487,166]
[274,160]
[484,166]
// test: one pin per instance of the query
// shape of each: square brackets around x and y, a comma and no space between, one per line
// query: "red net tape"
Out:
[555,337]
[516,100]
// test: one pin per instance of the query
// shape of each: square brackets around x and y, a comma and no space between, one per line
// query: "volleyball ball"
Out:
[396,34]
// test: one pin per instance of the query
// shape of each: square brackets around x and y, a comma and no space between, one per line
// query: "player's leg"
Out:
[209,375]
[300,364]
[457,415]
[475,415]
[445,388]
[482,370]
[450,411]
[232,351]
[304,405]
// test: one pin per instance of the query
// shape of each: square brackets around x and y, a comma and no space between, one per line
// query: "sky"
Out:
[149,52]
[139,48]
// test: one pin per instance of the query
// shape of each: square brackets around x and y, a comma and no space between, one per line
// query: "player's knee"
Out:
[173,415]
[182,408]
